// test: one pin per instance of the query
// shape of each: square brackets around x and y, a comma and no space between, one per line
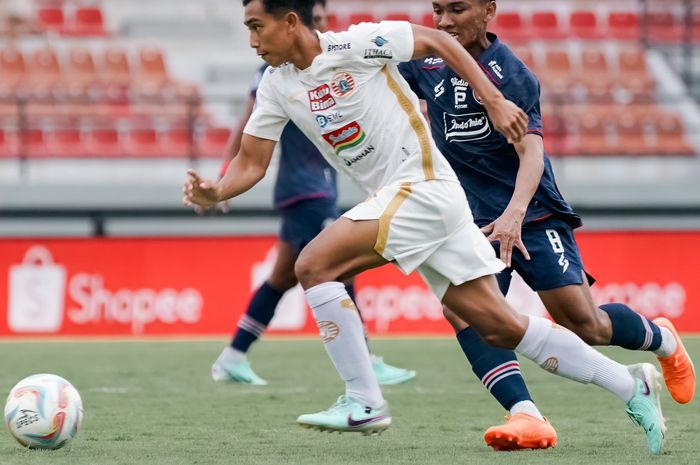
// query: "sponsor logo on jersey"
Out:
[439,89]
[433,61]
[371,53]
[339,47]
[349,136]
[467,127]
[379,41]
[325,120]
[496,69]
[343,84]
[351,161]
[320,98]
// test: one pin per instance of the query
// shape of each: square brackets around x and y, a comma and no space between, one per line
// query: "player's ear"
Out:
[490,11]
[293,21]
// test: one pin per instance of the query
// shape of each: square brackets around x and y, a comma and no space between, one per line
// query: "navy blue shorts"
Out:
[555,260]
[302,221]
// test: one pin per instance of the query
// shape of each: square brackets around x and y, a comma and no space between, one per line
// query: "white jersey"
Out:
[355,106]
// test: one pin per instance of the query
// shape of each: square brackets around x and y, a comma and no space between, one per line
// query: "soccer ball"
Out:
[43,412]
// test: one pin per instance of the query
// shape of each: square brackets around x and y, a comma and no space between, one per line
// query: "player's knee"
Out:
[309,270]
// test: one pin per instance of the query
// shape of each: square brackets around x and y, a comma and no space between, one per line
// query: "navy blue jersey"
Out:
[303,173]
[486,164]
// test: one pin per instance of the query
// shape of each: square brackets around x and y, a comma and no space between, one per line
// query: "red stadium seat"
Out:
[427,20]
[333,22]
[623,25]
[45,71]
[13,70]
[632,137]
[51,18]
[89,22]
[662,26]
[105,143]
[9,146]
[357,18]
[81,73]
[67,143]
[178,142]
[398,16]
[545,25]
[144,142]
[115,68]
[213,142]
[584,25]
[509,26]
[33,143]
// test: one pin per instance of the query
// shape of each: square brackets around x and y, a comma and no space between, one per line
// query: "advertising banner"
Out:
[201,286]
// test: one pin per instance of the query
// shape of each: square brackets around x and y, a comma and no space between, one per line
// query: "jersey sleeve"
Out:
[409,72]
[269,118]
[524,91]
[381,43]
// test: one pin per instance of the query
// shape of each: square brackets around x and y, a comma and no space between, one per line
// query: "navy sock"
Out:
[630,329]
[497,368]
[254,322]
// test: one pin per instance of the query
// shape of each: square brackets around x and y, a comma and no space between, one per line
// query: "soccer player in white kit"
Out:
[344,91]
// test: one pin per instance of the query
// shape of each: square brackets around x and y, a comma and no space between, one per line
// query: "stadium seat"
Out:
[9,147]
[80,73]
[526,56]
[623,25]
[177,142]
[357,18]
[115,72]
[333,22]
[397,16]
[13,71]
[670,134]
[33,143]
[662,26]
[67,143]
[592,137]
[143,142]
[427,20]
[88,21]
[213,142]
[584,25]
[632,136]
[545,25]
[45,71]
[51,18]
[152,75]
[509,26]
[105,142]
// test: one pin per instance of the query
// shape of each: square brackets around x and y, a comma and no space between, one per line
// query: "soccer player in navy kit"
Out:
[516,202]
[305,196]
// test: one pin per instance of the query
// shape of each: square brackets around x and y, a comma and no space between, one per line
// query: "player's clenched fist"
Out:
[509,120]
[199,192]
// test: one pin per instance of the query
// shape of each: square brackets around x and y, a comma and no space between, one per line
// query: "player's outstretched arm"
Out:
[246,169]
[507,228]
[507,118]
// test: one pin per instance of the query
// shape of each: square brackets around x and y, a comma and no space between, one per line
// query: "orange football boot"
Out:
[521,431]
[678,369]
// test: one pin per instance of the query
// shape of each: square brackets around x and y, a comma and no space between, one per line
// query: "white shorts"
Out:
[427,227]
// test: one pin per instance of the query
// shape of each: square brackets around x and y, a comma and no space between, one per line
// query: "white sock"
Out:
[526,406]
[561,352]
[668,343]
[341,330]
[231,355]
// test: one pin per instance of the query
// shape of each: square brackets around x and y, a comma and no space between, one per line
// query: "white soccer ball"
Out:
[43,412]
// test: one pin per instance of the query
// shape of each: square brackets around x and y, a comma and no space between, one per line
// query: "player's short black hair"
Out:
[303,8]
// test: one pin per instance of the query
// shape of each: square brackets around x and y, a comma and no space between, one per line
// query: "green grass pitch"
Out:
[154,403]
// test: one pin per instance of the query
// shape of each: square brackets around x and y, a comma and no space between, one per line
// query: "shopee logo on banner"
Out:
[35,293]
[136,308]
[37,299]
